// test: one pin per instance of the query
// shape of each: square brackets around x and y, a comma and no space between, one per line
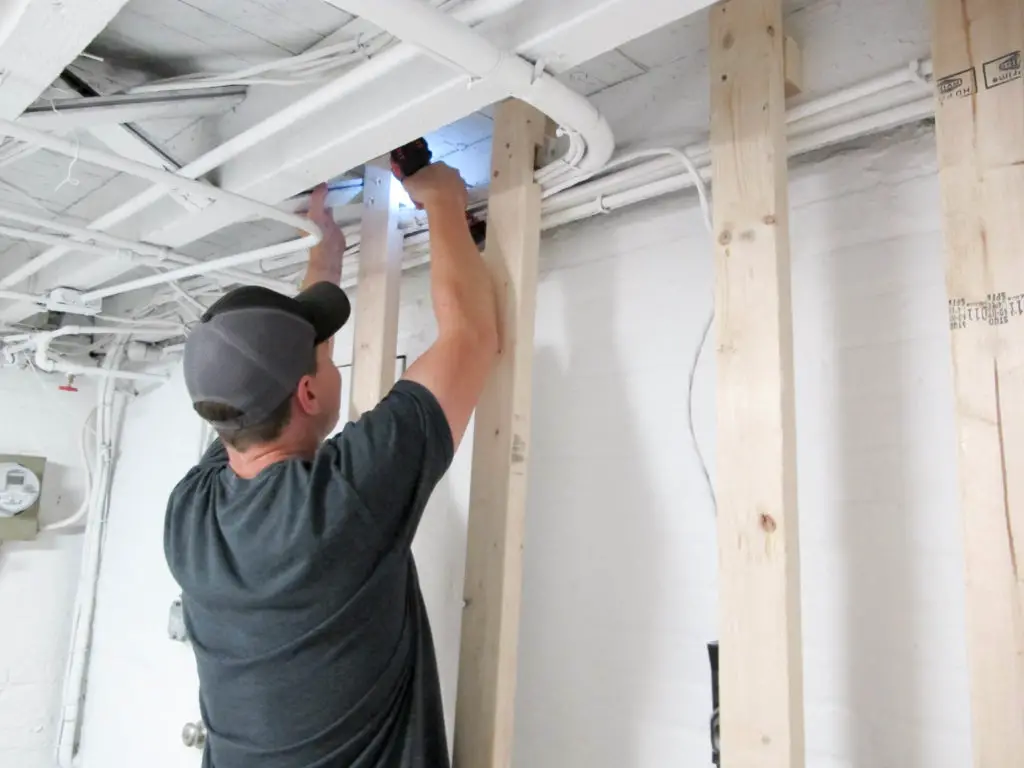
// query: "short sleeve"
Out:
[394,456]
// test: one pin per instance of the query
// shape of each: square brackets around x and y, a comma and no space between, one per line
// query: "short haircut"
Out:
[266,431]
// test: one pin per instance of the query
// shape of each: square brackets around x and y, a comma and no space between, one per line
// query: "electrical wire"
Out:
[705,207]
[83,508]
[305,68]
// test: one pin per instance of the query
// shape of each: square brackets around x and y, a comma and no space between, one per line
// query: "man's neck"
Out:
[249,464]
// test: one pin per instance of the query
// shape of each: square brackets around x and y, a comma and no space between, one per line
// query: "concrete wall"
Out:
[620,583]
[38,578]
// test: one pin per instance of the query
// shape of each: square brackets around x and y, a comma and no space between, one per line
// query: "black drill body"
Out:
[413,157]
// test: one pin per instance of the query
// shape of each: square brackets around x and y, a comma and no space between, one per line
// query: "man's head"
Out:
[258,367]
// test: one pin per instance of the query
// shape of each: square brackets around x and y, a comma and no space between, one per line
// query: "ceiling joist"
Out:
[38,40]
[417,97]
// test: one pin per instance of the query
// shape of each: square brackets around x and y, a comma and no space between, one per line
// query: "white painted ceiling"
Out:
[653,89]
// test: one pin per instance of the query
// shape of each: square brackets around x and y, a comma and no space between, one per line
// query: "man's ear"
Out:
[308,402]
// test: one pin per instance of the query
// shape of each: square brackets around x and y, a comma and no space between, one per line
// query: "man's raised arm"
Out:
[324,258]
[456,367]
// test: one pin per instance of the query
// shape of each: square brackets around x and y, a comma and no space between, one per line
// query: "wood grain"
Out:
[761,680]
[980,135]
[494,565]
[375,338]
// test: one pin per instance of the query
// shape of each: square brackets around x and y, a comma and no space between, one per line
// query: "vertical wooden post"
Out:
[380,271]
[977,48]
[490,622]
[761,677]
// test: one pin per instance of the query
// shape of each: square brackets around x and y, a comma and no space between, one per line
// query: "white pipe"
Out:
[44,362]
[158,255]
[83,508]
[915,71]
[884,120]
[605,203]
[85,598]
[798,121]
[655,177]
[72,369]
[158,176]
[104,330]
[174,181]
[139,352]
[18,296]
[41,237]
[202,268]
[116,243]
[450,41]
[300,109]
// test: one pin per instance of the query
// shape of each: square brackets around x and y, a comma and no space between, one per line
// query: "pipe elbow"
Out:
[42,359]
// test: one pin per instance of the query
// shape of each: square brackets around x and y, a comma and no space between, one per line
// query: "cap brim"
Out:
[327,307]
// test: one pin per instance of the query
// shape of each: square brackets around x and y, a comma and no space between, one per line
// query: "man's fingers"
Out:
[318,198]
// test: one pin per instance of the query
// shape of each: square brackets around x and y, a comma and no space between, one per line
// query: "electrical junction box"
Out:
[21,483]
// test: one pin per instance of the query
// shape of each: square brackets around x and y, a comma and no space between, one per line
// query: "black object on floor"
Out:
[716,755]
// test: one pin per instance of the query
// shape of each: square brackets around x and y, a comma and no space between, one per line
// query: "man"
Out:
[300,594]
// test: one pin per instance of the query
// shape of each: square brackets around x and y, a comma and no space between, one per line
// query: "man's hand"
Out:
[438,185]
[326,257]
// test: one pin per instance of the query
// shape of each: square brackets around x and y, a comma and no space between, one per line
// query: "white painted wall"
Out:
[38,578]
[620,583]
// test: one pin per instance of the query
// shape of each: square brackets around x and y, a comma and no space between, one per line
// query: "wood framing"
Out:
[977,48]
[761,679]
[376,307]
[490,622]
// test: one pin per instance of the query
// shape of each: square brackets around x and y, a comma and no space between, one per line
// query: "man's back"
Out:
[302,601]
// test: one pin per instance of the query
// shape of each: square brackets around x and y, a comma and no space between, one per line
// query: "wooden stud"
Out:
[977,48]
[761,679]
[380,270]
[490,623]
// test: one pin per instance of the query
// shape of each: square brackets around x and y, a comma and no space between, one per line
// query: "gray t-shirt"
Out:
[302,601]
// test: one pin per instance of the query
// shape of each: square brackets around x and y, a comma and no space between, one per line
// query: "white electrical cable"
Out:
[705,208]
[83,508]
[308,67]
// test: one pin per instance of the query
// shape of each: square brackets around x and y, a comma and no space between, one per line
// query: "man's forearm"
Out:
[325,262]
[324,258]
[464,296]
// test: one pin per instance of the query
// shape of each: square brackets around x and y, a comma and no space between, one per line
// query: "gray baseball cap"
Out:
[253,346]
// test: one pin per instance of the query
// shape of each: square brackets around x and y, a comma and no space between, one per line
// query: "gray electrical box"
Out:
[176,622]
[21,485]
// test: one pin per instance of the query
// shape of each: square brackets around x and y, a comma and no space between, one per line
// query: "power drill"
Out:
[413,157]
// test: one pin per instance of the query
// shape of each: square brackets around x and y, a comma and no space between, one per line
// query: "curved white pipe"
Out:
[45,363]
[83,508]
[452,42]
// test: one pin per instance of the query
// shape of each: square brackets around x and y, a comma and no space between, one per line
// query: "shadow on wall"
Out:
[881,634]
[877,497]
[604,643]
[142,686]
[594,552]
